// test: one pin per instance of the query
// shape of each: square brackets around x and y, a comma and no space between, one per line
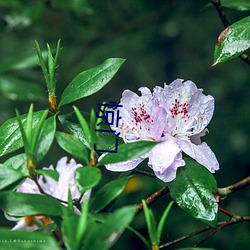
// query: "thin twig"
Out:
[223,192]
[144,173]
[224,211]
[152,198]
[235,220]
[226,23]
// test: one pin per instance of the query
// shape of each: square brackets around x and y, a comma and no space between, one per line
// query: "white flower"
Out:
[177,115]
[58,189]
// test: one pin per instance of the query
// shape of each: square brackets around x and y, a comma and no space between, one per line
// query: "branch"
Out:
[144,173]
[226,23]
[223,192]
[235,220]
[152,198]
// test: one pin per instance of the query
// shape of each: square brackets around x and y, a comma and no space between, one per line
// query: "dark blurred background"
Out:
[161,41]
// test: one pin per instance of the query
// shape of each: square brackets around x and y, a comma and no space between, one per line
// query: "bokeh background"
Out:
[161,41]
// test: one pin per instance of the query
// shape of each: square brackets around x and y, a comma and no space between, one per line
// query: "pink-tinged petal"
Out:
[141,117]
[29,187]
[165,158]
[59,189]
[201,153]
[189,110]
[125,165]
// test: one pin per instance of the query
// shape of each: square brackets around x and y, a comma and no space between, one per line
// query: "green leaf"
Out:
[193,191]
[21,204]
[87,177]
[16,240]
[53,174]
[74,228]
[162,221]
[73,146]
[69,230]
[10,136]
[108,193]
[241,5]
[151,223]
[84,126]
[233,41]
[71,125]
[105,235]
[19,90]
[8,176]
[126,152]
[46,138]
[90,81]
[18,162]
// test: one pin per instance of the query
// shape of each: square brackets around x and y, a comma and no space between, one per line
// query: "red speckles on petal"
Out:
[179,109]
[140,114]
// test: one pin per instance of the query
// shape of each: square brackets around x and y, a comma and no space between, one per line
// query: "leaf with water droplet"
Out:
[232,41]
[193,190]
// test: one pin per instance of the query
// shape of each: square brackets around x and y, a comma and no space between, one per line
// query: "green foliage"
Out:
[90,81]
[11,174]
[127,152]
[233,41]
[10,136]
[87,178]
[108,193]
[110,230]
[155,231]
[193,190]
[73,146]
[29,204]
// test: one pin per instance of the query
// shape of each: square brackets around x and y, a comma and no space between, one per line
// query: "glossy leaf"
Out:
[19,90]
[108,193]
[71,125]
[73,146]
[105,235]
[10,136]
[90,81]
[8,176]
[127,152]
[193,191]
[16,240]
[84,126]
[21,204]
[53,174]
[233,41]
[87,177]
[18,162]
[241,5]
[46,137]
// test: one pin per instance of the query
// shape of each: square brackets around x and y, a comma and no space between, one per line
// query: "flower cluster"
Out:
[58,189]
[176,115]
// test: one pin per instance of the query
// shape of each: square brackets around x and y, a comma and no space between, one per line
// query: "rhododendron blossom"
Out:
[175,115]
[58,189]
